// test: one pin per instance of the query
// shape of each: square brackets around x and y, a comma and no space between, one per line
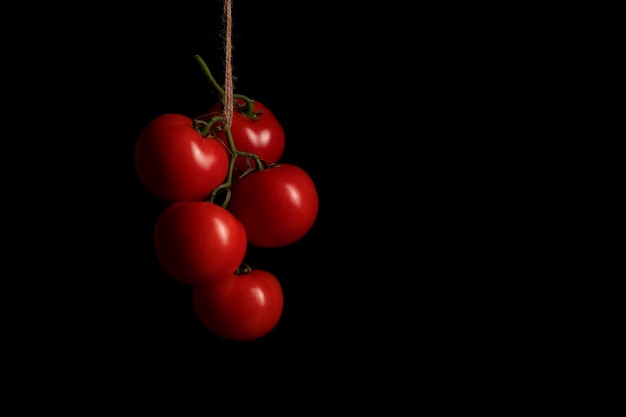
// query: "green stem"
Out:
[212,80]
[231,165]
[224,186]
[248,108]
[205,128]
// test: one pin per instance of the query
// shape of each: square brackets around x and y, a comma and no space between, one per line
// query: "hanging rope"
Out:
[228,67]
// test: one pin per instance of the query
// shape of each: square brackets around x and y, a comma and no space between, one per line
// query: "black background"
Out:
[381,104]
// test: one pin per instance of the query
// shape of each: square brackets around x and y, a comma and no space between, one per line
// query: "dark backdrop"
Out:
[374,100]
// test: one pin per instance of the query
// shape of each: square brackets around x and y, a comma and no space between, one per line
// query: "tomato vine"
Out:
[207,129]
[215,123]
[232,150]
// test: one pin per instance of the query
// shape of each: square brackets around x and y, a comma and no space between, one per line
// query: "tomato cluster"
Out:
[225,188]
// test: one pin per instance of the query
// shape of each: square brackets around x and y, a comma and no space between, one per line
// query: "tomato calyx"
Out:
[243,269]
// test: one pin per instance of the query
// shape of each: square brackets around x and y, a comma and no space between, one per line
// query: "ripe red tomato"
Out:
[263,136]
[199,242]
[277,206]
[241,307]
[176,163]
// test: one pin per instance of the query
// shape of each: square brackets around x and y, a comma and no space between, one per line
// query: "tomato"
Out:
[263,136]
[199,241]
[176,163]
[277,205]
[241,307]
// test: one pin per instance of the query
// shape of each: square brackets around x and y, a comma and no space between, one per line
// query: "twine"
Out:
[228,65]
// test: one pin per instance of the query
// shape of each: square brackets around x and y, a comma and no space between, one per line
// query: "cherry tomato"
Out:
[199,242]
[176,163]
[277,205]
[263,136]
[241,307]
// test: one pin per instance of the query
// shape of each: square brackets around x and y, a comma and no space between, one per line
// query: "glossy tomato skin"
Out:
[263,136]
[199,242]
[176,163]
[277,205]
[241,307]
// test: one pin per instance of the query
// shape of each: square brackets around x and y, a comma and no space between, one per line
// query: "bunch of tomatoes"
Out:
[226,188]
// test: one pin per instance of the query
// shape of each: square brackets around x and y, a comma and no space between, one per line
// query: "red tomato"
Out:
[199,242]
[176,163]
[263,136]
[277,206]
[241,307]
